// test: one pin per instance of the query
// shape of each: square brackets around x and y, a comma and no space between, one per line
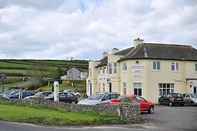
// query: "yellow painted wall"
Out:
[148,77]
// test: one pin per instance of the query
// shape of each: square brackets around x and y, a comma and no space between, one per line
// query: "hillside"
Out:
[33,73]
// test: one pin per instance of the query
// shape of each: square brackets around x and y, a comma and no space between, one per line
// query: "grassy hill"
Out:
[32,74]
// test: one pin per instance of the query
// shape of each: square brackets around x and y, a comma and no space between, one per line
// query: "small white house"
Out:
[74,74]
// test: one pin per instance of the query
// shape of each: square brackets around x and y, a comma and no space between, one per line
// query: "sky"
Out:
[84,29]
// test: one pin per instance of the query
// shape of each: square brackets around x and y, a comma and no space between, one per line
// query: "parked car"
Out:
[73,92]
[8,93]
[16,94]
[100,98]
[66,97]
[38,95]
[145,105]
[172,99]
[190,99]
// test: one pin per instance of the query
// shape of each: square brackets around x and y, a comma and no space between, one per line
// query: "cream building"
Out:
[147,69]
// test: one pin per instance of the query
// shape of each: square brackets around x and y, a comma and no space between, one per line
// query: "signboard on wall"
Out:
[137,71]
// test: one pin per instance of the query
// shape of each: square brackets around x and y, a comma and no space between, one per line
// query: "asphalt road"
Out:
[164,119]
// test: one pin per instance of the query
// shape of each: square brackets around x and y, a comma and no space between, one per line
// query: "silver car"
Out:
[190,99]
[100,98]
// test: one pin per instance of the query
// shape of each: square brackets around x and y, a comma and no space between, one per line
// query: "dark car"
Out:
[66,97]
[172,99]
[16,95]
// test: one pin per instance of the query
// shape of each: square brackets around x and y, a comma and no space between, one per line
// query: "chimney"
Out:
[137,42]
[114,50]
[105,54]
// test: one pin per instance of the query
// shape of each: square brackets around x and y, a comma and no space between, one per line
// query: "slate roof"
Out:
[163,52]
[103,62]
[124,51]
[156,51]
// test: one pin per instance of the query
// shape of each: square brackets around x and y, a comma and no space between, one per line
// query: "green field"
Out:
[44,116]
[32,74]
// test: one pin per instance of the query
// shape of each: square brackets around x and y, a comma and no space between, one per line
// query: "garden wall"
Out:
[127,112]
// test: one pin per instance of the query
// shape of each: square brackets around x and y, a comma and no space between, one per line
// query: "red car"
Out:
[145,106]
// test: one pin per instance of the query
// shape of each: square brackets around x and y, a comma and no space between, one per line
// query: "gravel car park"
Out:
[172,118]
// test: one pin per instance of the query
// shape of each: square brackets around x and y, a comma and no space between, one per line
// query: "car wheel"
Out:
[151,110]
[170,104]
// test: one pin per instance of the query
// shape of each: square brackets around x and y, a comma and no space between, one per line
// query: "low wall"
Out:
[130,113]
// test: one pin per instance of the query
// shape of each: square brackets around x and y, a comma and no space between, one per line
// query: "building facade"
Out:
[147,69]
[75,74]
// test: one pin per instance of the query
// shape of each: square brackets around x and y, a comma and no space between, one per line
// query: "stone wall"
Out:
[127,112]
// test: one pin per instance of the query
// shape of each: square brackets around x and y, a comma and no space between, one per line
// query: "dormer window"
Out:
[175,66]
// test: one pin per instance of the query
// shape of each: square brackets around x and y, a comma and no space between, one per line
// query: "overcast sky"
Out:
[58,29]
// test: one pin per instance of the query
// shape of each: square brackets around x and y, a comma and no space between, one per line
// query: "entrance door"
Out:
[137,86]
[110,87]
[194,90]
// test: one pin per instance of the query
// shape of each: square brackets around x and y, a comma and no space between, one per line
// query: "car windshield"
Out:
[14,92]
[176,95]
[140,98]
[97,97]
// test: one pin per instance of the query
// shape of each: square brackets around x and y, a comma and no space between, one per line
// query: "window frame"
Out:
[195,67]
[124,67]
[115,68]
[175,66]
[110,70]
[156,65]
[137,89]
[166,88]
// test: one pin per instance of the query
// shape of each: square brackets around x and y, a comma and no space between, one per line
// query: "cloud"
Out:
[49,29]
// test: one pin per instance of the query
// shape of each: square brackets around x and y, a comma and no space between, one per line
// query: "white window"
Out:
[124,91]
[175,66]
[195,67]
[156,65]
[110,68]
[124,84]
[166,89]
[115,67]
[137,88]
[124,67]
[104,70]
[124,88]
[103,87]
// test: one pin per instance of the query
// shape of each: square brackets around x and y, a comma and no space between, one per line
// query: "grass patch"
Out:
[36,69]
[45,116]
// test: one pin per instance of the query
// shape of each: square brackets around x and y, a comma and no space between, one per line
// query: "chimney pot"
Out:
[114,50]
[137,42]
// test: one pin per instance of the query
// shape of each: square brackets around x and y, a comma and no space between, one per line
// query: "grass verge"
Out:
[45,116]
